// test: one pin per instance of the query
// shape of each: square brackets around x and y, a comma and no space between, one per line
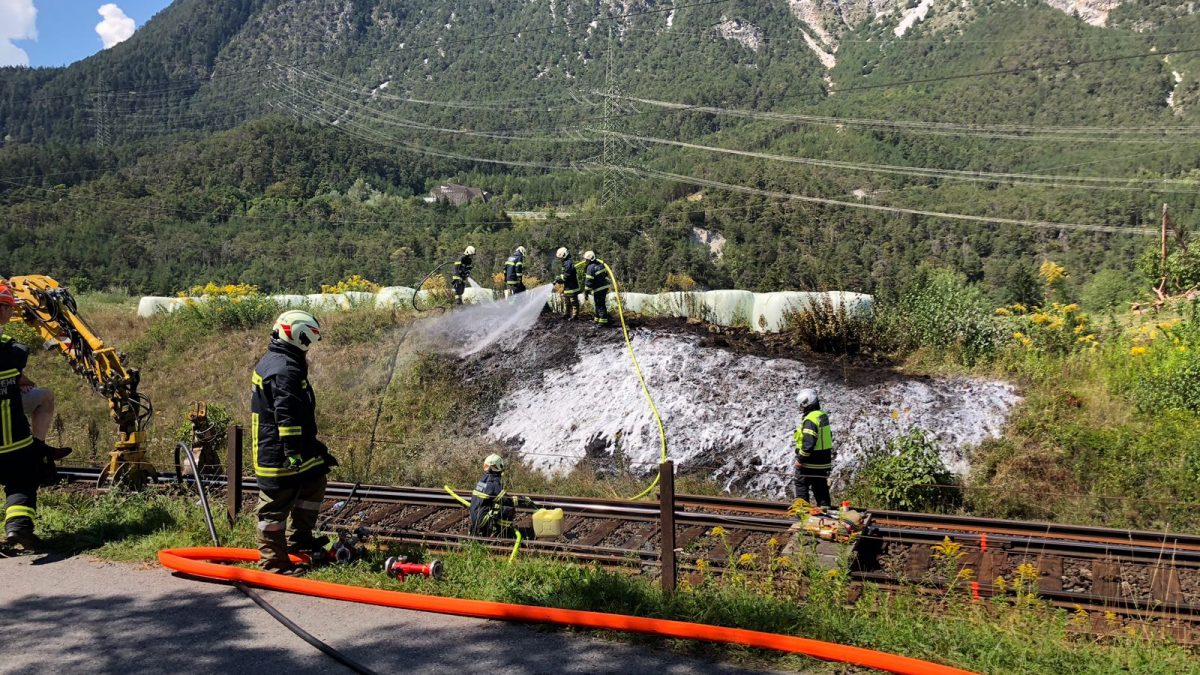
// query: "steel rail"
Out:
[1044,538]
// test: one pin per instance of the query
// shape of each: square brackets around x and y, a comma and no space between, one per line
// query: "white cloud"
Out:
[116,27]
[18,21]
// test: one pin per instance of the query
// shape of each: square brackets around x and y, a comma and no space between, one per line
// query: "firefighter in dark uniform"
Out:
[289,461]
[595,283]
[569,278]
[514,273]
[814,451]
[25,462]
[462,272]
[493,510]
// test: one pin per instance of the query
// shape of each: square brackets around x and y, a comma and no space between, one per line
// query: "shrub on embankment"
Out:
[1109,431]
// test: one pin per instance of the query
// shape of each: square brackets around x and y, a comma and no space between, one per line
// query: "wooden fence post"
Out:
[666,500]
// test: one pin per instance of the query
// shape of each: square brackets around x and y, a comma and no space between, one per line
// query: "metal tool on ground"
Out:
[398,567]
[348,547]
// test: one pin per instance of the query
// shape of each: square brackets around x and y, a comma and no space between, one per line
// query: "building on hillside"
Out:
[457,195]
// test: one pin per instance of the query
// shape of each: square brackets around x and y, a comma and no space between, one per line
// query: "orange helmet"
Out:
[6,295]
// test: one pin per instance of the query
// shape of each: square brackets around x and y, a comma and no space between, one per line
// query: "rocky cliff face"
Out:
[1094,12]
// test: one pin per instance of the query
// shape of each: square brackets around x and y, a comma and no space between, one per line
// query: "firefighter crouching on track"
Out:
[814,451]
[569,278]
[289,461]
[492,509]
[595,283]
[26,462]
[462,272]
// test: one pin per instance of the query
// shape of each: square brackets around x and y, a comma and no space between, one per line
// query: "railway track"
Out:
[1140,575]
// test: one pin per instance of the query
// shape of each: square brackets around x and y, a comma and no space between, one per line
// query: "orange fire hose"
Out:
[201,562]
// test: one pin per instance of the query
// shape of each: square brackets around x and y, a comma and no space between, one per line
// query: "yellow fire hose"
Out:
[662,432]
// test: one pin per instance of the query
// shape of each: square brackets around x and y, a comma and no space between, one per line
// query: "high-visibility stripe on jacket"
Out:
[462,268]
[14,426]
[569,277]
[283,418]
[814,441]
[514,269]
[596,276]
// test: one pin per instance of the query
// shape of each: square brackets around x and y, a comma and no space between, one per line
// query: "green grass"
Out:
[997,636]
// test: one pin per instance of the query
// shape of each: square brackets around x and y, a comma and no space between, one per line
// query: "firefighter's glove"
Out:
[294,461]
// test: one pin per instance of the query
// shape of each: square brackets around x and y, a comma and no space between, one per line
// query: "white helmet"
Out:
[590,255]
[520,250]
[496,462]
[806,398]
[297,328]
[470,250]
[561,253]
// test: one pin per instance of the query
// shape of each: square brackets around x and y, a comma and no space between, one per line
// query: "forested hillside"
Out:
[821,144]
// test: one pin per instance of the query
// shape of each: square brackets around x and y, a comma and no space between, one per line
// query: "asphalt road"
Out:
[84,615]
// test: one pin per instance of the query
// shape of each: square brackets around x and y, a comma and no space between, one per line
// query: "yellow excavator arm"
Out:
[45,305]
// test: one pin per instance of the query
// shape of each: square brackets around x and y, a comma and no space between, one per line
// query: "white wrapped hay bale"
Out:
[637,303]
[323,302]
[290,300]
[729,308]
[476,295]
[151,305]
[394,296]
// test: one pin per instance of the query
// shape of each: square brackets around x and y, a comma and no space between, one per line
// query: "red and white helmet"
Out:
[297,328]
[7,297]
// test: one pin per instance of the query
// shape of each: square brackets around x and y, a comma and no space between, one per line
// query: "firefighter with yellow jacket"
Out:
[289,461]
[814,451]
[26,462]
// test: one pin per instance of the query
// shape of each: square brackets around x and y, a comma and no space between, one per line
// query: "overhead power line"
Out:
[703,182]
[1076,133]
[1043,180]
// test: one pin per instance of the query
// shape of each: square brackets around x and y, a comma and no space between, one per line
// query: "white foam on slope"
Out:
[732,413]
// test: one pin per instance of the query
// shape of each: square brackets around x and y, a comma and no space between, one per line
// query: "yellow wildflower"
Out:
[717,531]
[746,558]
[1138,351]
[1051,272]
[1002,311]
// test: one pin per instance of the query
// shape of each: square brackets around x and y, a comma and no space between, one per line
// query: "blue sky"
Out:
[66,30]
